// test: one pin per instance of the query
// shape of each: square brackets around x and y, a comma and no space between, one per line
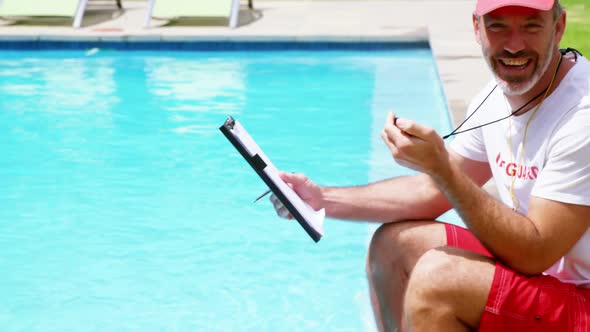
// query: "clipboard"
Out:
[311,220]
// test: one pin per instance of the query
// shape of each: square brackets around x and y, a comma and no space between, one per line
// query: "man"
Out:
[524,262]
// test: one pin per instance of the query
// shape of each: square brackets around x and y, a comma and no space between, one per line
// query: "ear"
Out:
[560,27]
[476,28]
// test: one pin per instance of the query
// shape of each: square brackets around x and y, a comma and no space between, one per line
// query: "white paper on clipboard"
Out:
[312,221]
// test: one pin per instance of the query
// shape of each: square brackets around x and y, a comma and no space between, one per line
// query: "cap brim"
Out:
[484,7]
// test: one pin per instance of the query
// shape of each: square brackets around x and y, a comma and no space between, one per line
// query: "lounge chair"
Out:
[194,8]
[46,8]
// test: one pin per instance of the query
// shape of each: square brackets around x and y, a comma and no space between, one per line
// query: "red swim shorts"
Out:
[520,303]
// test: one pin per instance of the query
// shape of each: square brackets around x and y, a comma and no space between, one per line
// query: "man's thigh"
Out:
[462,238]
[539,303]
[521,303]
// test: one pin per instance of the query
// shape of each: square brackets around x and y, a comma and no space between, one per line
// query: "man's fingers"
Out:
[280,208]
[293,178]
[390,119]
[394,150]
[284,213]
[415,129]
[392,135]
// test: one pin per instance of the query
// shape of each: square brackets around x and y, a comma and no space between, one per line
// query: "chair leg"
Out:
[250,4]
[150,10]
[234,14]
[79,14]
[119,5]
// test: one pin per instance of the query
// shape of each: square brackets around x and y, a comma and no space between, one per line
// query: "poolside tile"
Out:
[144,38]
[16,37]
[68,38]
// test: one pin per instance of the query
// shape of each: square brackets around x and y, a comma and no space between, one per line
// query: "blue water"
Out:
[122,206]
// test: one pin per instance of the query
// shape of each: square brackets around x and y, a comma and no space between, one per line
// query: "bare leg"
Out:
[394,250]
[375,305]
[448,290]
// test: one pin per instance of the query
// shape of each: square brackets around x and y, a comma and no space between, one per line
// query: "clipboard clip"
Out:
[230,122]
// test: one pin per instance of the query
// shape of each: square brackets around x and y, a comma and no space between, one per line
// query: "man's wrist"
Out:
[444,173]
[336,201]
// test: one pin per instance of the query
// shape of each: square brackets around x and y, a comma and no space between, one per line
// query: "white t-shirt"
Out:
[555,164]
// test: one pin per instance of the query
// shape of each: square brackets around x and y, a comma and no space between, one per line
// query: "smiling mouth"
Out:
[514,64]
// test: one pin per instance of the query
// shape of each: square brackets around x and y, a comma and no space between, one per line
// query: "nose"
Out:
[515,42]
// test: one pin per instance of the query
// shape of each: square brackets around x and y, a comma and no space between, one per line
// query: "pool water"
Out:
[122,206]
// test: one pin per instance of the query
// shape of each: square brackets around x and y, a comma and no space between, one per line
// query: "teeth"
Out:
[514,62]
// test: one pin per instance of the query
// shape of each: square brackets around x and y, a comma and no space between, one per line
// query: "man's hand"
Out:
[415,146]
[307,190]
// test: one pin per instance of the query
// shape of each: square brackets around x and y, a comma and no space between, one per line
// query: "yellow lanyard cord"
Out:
[515,200]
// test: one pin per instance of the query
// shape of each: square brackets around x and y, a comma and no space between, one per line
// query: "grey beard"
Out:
[512,89]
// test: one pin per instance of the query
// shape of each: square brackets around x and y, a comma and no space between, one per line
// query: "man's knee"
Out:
[430,281]
[432,271]
[449,280]
[400,244]
[443,273]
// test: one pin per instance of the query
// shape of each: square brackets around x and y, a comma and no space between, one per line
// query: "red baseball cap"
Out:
[485,6]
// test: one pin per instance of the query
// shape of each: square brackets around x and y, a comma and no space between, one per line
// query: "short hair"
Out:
[557,10]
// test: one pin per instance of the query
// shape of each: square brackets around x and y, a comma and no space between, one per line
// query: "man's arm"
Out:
[404,198]
[529,244]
